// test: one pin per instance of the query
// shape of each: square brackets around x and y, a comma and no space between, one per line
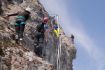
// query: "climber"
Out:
[41,37]
[55,28]
[72,38]
[20,22]
[41,31]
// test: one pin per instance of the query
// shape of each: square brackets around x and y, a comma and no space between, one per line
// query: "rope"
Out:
[58,49]
[59,54]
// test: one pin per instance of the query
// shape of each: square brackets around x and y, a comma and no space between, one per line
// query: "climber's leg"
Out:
[37,37]
[22,26]
[17,29]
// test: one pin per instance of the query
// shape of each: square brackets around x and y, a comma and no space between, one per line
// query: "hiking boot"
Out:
[21,39]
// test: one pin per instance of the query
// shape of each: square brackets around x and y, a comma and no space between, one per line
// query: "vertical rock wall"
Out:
[50,51]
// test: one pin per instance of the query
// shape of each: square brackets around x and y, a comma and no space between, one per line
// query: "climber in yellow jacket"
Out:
[55,28]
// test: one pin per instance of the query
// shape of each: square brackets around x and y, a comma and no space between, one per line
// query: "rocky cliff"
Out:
[57,54]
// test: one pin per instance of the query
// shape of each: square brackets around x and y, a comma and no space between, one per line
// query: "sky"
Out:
[84,19]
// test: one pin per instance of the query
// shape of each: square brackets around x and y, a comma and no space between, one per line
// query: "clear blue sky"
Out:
[85,19]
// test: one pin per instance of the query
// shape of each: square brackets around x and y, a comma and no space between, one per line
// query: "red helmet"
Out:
[45,19]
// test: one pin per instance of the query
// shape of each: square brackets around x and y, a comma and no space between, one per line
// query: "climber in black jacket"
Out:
[41,31]
[40,34]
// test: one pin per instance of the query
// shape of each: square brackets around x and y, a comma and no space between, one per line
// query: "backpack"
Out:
[40,28]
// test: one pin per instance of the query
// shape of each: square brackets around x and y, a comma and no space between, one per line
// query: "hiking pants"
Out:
[19,27]
[39,36]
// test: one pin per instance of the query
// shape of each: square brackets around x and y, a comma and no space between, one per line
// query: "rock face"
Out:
[57,54]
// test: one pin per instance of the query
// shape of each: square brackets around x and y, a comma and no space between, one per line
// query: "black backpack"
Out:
[40,27]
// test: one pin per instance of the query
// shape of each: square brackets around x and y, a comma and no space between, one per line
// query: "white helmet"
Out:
[28,9]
